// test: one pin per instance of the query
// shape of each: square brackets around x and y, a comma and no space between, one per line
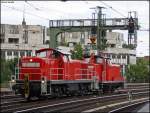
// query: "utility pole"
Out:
[100,30]
[25,32]
[17,77]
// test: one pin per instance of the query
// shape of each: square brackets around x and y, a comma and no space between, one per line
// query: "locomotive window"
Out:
[41,54]
[99,60]
[87,60]
[65,58]
[55,54]
[109,61]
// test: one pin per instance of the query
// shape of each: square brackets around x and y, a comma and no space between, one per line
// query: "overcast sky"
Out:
[39,12]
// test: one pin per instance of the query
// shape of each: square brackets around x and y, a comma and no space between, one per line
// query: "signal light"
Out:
[93,39]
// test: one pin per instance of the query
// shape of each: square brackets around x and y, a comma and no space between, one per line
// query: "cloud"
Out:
[41,10]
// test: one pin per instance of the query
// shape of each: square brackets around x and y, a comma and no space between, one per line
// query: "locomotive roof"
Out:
[45,49]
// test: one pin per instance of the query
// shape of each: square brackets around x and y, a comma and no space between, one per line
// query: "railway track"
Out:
[35,103]
[70,103]
[11,98]
[80,105]
[130,108]
[54,104]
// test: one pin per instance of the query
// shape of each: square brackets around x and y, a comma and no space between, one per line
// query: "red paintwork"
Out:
[69,69]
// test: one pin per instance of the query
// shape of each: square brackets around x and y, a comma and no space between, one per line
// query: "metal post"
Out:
[129,95]
[18,61]
[33,50]
[99,29]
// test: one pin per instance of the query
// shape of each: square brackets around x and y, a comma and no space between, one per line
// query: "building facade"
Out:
[115,50]
[21,40]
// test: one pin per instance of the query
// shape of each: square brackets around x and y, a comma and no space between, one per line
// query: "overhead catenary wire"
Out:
[26,12]
[31,5]
[41,9]
[113,9]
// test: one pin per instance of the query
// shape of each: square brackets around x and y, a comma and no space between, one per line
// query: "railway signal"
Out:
[93,39]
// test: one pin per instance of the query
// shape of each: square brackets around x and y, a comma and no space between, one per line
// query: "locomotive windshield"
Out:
[87,60]
[99,60]
[41,54]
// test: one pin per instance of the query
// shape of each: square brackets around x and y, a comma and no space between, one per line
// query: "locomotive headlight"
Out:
[12,80]
[43,81]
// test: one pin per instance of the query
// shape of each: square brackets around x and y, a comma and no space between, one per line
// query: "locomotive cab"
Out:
[34,72]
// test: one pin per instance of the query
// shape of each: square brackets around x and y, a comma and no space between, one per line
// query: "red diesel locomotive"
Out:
[54,73]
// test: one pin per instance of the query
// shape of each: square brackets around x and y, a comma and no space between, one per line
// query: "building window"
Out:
[22,53]
[118,56]
[15,53]
[123,56]
[9,53]
[28,53]
[112,45]
[2,29]
[113,56]
[13,40]
[2,54]
[108,55]
[1,40]
[13,29]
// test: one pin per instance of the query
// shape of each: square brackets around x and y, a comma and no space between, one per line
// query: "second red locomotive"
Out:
[54,73]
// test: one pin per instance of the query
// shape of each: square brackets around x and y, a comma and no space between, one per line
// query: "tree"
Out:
[139,72]
[7,69]
[77,53]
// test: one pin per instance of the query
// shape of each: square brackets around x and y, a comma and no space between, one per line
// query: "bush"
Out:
[7,69]
[78,52]
[139,72]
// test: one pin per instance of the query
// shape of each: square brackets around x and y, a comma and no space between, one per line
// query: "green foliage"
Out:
[77,53]
[103,45]
[139,72]
[7,69]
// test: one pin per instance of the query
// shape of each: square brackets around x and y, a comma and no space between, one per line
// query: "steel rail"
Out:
[127,107]
[3,105]
[76,101]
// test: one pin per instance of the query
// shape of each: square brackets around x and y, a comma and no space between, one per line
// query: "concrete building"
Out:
[21,40]
[115,51]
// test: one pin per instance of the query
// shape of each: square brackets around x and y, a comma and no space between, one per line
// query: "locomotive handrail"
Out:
[57,73]
[80,74]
